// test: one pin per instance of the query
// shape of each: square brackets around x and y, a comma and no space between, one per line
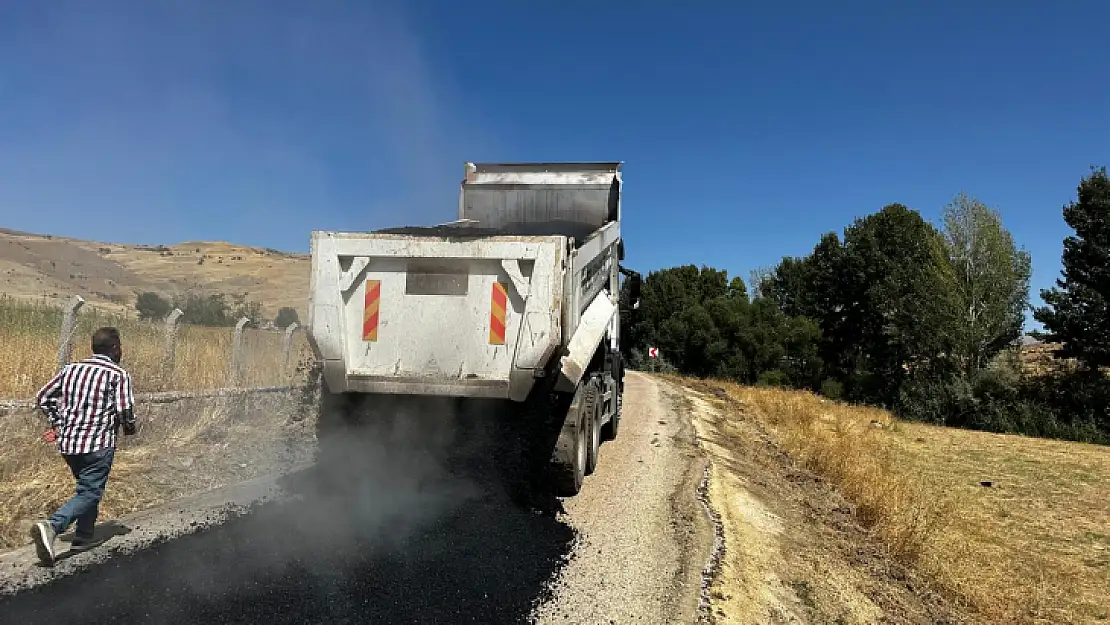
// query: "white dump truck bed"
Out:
[478,307]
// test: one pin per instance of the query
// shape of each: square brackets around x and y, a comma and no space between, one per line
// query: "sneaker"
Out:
[42,533]
[80,545]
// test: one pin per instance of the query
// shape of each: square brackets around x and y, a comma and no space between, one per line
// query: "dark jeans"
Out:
[91,471]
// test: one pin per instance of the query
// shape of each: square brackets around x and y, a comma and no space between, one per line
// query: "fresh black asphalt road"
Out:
[408,545]
[484,564]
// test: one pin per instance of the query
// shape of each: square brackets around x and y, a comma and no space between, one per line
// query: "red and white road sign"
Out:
[653,352]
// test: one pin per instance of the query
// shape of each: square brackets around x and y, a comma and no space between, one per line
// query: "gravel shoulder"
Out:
[642,535]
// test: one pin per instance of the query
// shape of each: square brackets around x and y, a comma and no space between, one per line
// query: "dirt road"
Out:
[423,542]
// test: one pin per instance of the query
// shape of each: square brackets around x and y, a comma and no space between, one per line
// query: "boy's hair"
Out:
[105,340]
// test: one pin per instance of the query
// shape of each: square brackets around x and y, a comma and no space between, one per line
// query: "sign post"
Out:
[653,353]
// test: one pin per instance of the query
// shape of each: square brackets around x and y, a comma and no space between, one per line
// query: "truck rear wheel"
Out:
[609,432]
[612,427]
[593,413]
[334,416]
[571,450]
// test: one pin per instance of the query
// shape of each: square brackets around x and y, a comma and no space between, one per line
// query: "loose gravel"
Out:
[644,537]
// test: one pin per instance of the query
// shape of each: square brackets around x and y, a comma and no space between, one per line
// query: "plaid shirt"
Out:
[84,402]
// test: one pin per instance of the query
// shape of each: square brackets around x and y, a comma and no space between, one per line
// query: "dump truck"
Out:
[515,301]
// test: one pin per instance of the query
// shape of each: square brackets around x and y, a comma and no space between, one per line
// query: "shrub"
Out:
[772,378]
[832,389]
[285,317]
[151,305]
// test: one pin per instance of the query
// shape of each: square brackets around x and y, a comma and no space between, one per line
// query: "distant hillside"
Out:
[111,275]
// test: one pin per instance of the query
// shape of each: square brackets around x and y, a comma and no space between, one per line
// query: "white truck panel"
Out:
[544,237]
[434,312]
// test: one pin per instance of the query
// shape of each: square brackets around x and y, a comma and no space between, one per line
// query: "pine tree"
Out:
[1077,314]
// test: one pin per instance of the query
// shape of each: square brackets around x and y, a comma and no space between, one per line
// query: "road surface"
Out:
[420,544]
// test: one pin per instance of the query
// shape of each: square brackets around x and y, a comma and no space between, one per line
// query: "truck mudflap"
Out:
[587,337]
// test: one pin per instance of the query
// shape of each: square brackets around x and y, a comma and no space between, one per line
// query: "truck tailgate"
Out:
[432,315]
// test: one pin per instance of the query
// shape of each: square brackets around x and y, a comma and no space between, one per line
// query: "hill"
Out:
[111,275]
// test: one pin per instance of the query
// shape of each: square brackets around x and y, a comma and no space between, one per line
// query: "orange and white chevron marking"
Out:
[497,316]
[371,310]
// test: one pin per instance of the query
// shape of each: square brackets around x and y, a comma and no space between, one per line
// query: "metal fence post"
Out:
[287,346]
[169,357]
[236,353]
[69,326]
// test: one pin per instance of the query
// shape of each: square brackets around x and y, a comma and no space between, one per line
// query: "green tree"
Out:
[1077,310]
[151,305]
[992,281]
[882,299]
[206,310]
[286,316]
[896,296]
[706,325]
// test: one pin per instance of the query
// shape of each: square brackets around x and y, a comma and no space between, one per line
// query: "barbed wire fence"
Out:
[233,383]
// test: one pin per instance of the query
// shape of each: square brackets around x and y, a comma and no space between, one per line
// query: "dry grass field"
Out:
[31,332]
[112,275]
[1014,528]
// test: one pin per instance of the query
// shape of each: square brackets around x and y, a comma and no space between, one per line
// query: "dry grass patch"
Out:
[1033,547]
[31,331]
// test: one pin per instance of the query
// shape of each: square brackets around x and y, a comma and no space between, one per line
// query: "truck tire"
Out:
[333,439]
[610,430]
[593,412]
[332,416]
[570,453]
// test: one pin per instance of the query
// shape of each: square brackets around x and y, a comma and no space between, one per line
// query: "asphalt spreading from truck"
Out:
[383,533]
[487,562]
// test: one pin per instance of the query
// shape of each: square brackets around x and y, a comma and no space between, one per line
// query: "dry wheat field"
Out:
[31,332]
[1013,527]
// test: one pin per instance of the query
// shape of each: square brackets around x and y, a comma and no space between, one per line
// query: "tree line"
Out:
[898,313]
[210,310]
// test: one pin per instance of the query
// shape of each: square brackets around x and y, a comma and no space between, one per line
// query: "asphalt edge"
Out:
[20,570]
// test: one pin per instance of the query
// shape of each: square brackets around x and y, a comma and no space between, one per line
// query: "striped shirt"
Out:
[84,403]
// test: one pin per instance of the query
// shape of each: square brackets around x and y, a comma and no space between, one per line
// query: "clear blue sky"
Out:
[747,131]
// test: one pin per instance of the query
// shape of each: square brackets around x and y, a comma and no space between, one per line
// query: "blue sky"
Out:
[747,129]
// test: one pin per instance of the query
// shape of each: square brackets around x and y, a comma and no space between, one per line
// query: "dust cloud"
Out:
[393,467]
